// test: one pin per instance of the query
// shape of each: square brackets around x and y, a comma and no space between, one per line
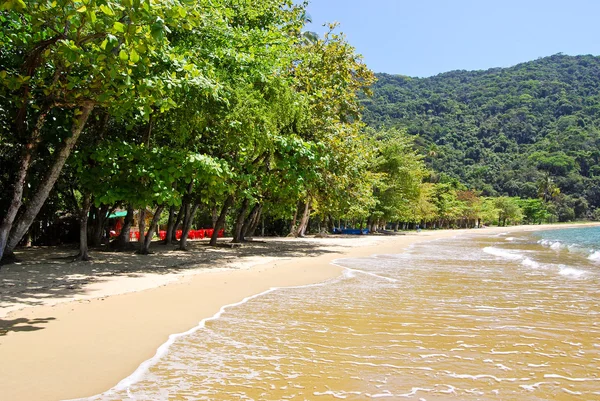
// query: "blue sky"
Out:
[427,37]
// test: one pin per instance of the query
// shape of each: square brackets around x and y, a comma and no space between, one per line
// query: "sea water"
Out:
[507,317]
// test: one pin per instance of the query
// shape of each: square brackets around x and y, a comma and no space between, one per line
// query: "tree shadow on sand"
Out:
[48,272]
[22,324]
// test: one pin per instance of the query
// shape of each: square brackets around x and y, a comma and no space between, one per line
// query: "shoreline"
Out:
[83,347]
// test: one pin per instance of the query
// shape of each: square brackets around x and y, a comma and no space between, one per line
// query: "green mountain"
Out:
[520,131]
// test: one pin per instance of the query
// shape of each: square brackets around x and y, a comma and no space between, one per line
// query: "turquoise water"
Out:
[585,240]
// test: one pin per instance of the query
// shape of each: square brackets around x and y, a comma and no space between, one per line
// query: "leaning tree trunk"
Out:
[142,230]
[187,225]
[177,222]
[39,198]
[123,238]
[83,228]
[304,221]
[19,185]
[221,220]
[251,221]
[239,222]
[215,216]
[148,238]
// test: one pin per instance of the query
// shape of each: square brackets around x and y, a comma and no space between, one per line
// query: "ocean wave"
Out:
[570,271]
[552,244]
[503,253]
[594,256]
[530,263]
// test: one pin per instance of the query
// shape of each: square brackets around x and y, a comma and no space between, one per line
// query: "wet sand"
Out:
[81,344]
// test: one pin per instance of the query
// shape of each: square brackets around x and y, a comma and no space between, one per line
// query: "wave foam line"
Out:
[595,256]
[393,280]
[572,379]
[503,253]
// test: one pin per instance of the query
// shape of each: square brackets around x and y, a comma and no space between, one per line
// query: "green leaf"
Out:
[82,9]
[123,55]
[134,56]
[107,10]
[118,27]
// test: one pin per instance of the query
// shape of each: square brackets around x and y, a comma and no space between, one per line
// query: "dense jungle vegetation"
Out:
[531,131]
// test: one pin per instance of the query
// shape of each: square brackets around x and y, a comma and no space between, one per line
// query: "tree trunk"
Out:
[123,239]
[39,198]
[304,221]
[239,222]
[19,185]
[252,221]
[177,222]
[187,225]
[148,238]
[221,220]
[330,224]
[142,229]
[83,231]
[293,223]
[100,218]
[170,226]
[215,216]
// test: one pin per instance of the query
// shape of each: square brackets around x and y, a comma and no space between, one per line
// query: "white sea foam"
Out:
[570,271]
[503,253]
[530,263]
[552,244]
[594,256]
[571,379]
[337,394]
[393,280]
[510,239]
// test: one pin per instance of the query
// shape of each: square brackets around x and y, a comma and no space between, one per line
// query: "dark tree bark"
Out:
[330,224]
[221,220]
[170,226]
[100,219]
[142,229]
[187,225]
[178,222]
[83,229]
[21,226]
[251,221]
[19,185]
[148,238]
[215,216]
[239,222]
[123,239]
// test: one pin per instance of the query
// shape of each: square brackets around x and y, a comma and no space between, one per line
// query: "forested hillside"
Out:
[531,130]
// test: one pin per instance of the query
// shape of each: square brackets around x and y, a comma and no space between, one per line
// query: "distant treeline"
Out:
[529,131]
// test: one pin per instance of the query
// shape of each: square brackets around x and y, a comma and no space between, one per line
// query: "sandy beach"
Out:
[70,330]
